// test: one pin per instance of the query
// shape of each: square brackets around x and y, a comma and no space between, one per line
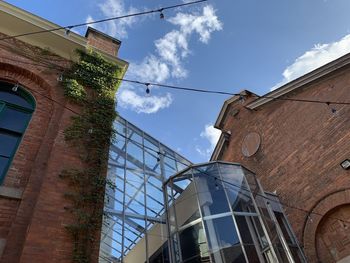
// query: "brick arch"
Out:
[316,215]
[15,74]
[42,92]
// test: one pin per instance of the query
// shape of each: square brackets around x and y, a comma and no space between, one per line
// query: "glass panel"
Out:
[142,163]
[8,144]
[232,254]
[249,238]
[251,253]
[169,165]
[212,197]
[152,162]
[296,254]
[187,206]
[271,229]
[252,181]
[14,120]
[13,97]
[193,245]
[161,255]
[223,240]
[3,164]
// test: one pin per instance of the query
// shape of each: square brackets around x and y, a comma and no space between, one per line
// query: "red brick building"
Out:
[296,149]
[33,117]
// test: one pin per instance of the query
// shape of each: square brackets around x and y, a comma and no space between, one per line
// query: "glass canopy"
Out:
[137,168]
[225,216]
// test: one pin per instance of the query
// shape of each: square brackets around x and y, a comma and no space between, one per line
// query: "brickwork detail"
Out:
[302,145]
[32,228]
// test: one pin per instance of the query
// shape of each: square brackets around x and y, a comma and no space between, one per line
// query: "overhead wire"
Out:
[147,84]
[204,91]
[70,27]
[173,158]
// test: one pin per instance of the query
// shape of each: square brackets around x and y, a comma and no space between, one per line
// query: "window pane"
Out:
[193,245]
[3,164]
[14,98]
[211,194]
[221,233]
[7,144]
[14,120]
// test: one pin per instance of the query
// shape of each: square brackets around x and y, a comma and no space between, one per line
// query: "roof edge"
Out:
[223,111]
[301,81]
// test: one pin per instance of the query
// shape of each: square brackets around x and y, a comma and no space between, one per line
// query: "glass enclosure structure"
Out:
[213,212]
[225,216]
[134,202]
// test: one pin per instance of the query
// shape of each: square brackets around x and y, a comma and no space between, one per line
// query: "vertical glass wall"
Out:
[134,202]
[224,216]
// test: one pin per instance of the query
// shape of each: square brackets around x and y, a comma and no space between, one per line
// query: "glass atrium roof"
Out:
[138,165]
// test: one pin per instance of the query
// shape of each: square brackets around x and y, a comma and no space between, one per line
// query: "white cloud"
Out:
[115,8]
[319,55]
[170,51]
[212,135]
[203,24]
[167,62]
[150,69]
[128,98]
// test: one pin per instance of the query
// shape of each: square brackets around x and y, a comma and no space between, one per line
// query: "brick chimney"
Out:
[102,41]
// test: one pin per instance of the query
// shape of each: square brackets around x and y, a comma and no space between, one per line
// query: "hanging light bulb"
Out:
[241,99]
[161,15]
[68,29]
[60,78]
[15,87]
[147,88]
[216,184]
[310,218]
[333,110]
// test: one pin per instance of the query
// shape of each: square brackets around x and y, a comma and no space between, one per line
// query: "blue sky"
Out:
[219,45]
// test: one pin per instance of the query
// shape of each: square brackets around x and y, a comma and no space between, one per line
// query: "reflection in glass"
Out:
[13,98]
[223,240]
[3,164]
[212,198]
[8,143]
[238,226]
[193,244]
[14,120]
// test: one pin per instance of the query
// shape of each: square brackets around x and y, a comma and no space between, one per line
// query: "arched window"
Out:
[16,108]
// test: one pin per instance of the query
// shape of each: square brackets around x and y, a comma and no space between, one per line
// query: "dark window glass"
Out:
[233,254]
[8,144]
[284,227]
[221,232]
[161,255]
[14,120]
[251,253]
[16,108]
[193,245]
[12,97]
[244,229]
[3,163]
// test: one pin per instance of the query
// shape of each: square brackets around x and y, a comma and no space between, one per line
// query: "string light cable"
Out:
[147,86]
[240,187]
[68,28]
[207,91]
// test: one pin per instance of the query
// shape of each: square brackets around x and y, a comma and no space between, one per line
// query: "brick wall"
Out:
[301,149]
[32,218]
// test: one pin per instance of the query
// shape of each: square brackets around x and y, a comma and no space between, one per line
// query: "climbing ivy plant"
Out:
[91,83]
